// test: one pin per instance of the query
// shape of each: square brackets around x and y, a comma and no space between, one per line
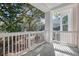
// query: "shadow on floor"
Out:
[46,49]
[65,50]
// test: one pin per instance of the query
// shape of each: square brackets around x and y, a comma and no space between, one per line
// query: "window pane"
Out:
[56,22]
[65,27]
[65,20]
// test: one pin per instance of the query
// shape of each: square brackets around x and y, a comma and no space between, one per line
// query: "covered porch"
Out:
[47,42]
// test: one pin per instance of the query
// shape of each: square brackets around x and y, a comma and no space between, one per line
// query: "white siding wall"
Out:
[73,24]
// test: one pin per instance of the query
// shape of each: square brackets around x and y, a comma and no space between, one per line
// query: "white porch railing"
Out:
[67,37]
[19,43]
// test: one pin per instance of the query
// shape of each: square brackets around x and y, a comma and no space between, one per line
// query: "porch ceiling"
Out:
[46,6]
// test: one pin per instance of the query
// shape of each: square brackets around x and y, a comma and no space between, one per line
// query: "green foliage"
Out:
[13,14]
[65,19]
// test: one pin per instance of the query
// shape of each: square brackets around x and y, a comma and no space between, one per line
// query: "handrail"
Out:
[19,33]
[67,31]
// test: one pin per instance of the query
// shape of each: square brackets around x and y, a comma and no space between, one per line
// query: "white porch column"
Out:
[48,26]
[77,23]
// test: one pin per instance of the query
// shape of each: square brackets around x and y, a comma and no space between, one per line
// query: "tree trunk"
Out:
[29,27]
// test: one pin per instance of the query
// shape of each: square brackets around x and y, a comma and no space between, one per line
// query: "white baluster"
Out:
[24,42]
[29,42]
[4,46]
[16,44]
[8,45]
[19,43]
[12,44]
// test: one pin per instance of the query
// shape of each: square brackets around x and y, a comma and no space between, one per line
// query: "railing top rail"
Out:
[19,33]
[67,31]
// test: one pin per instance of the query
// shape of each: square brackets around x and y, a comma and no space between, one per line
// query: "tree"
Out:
[12,16]
[32,18]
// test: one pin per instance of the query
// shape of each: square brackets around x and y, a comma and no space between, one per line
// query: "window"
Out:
[65,23]
[56,22]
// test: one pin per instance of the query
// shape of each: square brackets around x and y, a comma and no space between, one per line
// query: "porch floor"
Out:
[47,49]
[65,50]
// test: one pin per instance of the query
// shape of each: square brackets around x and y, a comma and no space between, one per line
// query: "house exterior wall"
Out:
[71,37]
[77,22]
